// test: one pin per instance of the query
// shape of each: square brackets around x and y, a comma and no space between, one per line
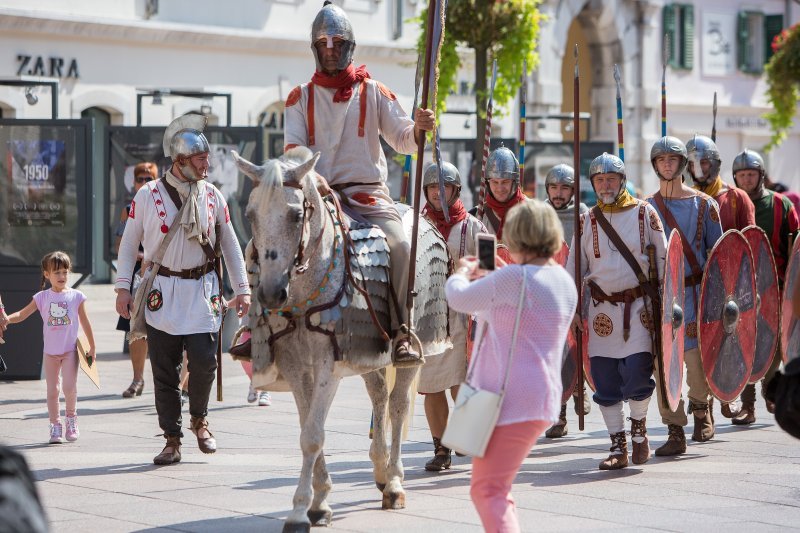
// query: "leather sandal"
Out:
[199,427]
[135,389]
[441,459]
[171,453]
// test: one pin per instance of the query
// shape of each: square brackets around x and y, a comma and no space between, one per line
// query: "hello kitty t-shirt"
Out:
[59,312]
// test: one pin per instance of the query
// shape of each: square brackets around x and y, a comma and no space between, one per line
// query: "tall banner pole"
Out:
[620,136]
[714,123]
[664,86]
[407,165]
[487,138]
[523,97]
[576,162]
[434,28]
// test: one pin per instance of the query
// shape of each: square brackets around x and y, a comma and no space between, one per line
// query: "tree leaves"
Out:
[783,84]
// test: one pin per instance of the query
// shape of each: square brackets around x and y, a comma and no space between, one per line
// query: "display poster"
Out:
[718,44]
[38,175]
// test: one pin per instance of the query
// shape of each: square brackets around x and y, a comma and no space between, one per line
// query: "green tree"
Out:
[506,30]
[783,84]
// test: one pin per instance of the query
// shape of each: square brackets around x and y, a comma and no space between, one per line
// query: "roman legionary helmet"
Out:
[330,22]
[449,173]
[560,174]
[666,146]
[606,163]
[184,138]
[701,148]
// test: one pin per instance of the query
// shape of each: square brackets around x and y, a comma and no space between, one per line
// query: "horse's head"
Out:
[279,212]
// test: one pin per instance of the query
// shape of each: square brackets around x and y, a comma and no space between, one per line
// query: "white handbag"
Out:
[474,415]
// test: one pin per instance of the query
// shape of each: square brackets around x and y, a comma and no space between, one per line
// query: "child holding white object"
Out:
[62,311]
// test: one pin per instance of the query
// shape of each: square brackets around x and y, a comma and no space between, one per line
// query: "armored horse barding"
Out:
[322,311]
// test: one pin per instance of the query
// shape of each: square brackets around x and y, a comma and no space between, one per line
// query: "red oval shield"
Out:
[768,319]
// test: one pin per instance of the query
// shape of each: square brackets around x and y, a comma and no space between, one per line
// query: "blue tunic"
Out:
[687,212]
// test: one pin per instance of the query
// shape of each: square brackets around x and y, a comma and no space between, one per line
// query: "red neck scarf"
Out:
[457,214]
[501,208]
[343,81]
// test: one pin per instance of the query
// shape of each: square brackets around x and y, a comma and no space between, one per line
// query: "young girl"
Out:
[62,309]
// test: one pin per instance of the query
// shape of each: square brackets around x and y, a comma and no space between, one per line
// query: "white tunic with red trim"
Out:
[637,226]
[347,135]
[186,305]
[450,369]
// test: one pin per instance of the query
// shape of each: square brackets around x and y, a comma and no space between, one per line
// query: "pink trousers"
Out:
[493,474]
[61,370]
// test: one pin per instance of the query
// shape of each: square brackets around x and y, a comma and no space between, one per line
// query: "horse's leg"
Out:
[378,452]
[394,497]
[312,437]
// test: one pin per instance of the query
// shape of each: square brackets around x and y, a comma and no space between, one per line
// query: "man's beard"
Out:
[607,198]
[191,173]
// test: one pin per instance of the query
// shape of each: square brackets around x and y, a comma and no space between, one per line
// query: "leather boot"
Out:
[746,416]
[641,450]
[559,429]
[730,409]
[441,459]
[676,442]
[703,421]
[587,401]
[205,439]
[619,453]
[404,355]
[171,453]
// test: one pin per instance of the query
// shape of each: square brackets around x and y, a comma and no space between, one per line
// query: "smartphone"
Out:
[486,245]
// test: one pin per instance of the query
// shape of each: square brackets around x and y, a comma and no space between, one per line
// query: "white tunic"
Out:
[187,303]
[450,369]
[637,226]
[350,156]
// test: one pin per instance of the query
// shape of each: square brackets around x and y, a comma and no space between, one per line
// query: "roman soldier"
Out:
[179,306]
[440,374]
[504,192]
[613,242]
[342,113]
[559,184]
[776,215]
[695,216]
[736,210]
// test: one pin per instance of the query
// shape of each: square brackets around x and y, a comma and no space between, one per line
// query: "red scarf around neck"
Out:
[457,214]
[501,208]
[343,81]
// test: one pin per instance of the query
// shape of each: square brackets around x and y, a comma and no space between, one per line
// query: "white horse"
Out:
[311,326]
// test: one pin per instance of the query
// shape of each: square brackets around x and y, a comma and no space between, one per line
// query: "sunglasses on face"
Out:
[143,179]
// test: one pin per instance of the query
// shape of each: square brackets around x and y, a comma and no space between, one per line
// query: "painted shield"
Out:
[790,325]
[671,322]
[769,311]
[726,316]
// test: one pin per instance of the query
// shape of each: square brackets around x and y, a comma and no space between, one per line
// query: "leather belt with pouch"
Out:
[626,297]
[187,273]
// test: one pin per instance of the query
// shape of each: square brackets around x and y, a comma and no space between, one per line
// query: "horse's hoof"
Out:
[320,517]
[294,527]
[381,486]
[394,501]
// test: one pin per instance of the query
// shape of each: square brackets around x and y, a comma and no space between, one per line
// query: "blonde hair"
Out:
[55,261]
[533,227]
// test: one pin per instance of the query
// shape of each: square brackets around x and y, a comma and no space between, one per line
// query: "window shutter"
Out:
[741,44]
[687,35]
[773,26]
[669,33]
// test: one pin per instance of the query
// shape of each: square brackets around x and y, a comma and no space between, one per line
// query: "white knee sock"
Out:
[639,408]
[614,417]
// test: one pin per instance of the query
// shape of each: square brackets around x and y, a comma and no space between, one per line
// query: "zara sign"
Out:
[53,67]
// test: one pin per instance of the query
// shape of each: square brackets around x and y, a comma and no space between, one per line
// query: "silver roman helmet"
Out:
[560,174]
[669,146]
[606,163]
[330,22]
[701,148]
[502,164]
[749,160]
[184,138]
[449,173]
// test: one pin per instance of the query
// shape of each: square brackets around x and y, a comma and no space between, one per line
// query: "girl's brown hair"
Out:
[55,261]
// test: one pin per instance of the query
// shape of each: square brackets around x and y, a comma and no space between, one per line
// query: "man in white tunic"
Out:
[559,184]
[180,305]
[342,113]
[620,317]
[446,372]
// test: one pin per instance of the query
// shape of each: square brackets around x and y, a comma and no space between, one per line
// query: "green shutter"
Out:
[773,25]
[687,37]
[669,34]
[741,44]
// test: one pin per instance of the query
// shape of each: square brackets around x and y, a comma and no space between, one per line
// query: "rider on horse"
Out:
[342,114]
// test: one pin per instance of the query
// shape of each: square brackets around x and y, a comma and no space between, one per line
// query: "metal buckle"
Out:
[196,272]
